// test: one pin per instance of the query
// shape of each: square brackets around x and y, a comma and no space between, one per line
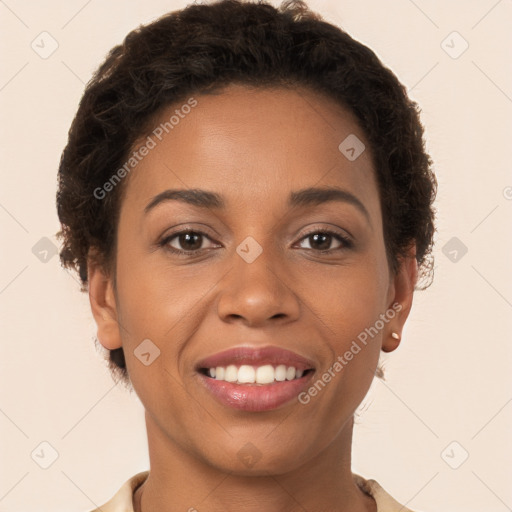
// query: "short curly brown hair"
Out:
[207,46]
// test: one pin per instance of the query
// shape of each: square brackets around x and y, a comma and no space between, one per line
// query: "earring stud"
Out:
[395,335]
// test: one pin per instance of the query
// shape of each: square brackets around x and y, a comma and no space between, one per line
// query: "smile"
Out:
[261,375]
[255,379]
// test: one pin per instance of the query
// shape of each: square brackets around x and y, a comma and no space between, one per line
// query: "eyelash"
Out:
[346,242]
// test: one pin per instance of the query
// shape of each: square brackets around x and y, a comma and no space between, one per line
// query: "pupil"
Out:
[185,240]
[322,246]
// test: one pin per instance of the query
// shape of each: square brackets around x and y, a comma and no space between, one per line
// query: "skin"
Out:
[254,147]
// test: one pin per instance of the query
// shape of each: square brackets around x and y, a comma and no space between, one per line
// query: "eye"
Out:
[185,242]
[192,242]
[321,241]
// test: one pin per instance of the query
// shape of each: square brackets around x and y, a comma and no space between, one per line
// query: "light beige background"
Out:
[449,381]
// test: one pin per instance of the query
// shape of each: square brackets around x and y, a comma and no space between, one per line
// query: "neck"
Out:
[180,481]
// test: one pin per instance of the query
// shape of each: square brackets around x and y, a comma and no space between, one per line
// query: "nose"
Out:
[258,294]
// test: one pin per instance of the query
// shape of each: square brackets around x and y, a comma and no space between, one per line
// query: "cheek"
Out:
[348,299]
[153,299]
[349,305]
[165,306]
[157,316]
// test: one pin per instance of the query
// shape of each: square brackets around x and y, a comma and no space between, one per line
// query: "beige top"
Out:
[122,501]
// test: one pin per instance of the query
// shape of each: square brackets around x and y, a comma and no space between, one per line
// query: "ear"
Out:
[103,305]
[400,296]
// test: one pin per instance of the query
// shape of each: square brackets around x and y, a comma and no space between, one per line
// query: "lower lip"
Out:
[253,397]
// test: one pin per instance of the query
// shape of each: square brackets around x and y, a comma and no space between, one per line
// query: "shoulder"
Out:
[123,499]
[385,502]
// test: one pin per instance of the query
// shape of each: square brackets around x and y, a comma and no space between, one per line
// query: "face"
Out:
[283,276]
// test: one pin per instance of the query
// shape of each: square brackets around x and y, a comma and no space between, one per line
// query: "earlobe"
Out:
[403,286]
[103,306]
[388,345]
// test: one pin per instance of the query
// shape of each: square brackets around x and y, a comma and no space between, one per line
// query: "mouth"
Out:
[258,375]
[255,379]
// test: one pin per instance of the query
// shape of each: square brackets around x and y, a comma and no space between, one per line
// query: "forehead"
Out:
[254,146]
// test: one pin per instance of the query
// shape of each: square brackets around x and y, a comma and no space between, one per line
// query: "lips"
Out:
[256,357]
[250,395]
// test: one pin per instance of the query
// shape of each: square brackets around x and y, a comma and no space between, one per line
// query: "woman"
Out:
[246,197]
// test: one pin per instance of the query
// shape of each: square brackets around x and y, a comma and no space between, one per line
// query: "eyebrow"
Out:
[313,196]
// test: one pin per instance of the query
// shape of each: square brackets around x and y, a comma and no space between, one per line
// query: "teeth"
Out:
[246,374]
[231,374]
[265,374]
[281,373]
[290,373]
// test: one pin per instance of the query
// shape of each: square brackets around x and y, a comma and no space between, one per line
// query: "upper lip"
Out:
[256,356]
